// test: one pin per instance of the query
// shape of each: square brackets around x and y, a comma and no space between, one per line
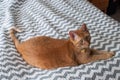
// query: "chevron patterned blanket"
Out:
[55,18]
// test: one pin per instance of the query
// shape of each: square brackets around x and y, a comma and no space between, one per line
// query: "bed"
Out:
[55,18]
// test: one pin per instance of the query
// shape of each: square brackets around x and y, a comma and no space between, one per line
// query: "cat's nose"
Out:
[86,44]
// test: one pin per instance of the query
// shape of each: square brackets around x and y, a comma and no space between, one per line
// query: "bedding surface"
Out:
[55,18]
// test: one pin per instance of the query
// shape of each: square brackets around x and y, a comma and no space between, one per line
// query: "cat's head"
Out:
[80,38]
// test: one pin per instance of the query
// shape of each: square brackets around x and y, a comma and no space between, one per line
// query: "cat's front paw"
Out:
[110,54]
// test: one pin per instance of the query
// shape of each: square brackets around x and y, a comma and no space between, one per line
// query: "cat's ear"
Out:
[73,35]
[84,28]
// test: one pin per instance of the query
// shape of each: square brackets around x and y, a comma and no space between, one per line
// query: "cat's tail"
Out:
[13,30]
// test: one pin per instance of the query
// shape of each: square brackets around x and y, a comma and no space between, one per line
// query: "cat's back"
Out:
[45,41]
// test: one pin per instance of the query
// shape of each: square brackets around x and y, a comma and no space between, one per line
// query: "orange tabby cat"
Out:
[48,53]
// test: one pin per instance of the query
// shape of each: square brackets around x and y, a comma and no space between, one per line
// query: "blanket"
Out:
[55,18]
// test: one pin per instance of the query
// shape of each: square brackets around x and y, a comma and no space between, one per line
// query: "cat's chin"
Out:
[84,50]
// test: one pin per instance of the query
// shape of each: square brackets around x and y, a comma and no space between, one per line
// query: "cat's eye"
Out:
[88,38]
[81,41]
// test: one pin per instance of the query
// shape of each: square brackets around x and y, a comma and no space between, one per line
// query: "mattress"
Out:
[55,18]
